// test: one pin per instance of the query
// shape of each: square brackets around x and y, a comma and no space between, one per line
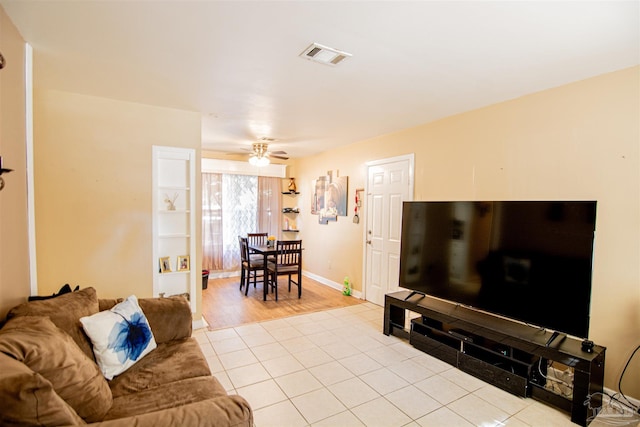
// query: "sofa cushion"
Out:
[169,395]
[223,411]
[169,362]
[170,318]
[65,312]
[120,336]
[29,399]
[45,349]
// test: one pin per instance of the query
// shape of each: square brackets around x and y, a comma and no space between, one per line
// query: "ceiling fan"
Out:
[260,154]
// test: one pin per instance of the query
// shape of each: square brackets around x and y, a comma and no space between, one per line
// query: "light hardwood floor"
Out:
[224,305]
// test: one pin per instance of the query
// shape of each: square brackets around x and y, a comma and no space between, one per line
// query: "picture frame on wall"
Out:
[165,264]
[183,263]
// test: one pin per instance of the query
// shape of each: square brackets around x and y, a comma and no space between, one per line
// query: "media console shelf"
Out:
[505,353]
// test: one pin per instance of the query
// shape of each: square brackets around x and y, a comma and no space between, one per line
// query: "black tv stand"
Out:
[553,337]
[499,351]
[412,293]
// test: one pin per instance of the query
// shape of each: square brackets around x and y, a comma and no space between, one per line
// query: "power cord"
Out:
[618,405]
[637,409]
[613,412]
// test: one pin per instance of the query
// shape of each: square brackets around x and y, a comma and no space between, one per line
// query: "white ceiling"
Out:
[237,62]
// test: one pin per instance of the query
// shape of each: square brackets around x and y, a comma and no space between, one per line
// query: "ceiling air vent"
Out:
[324,55]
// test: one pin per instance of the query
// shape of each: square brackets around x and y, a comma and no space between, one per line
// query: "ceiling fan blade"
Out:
[277,152]
[278,157]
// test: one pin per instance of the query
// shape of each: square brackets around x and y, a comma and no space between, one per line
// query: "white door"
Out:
[389,183]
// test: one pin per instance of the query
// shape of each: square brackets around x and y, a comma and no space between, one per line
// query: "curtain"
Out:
[269,205]
[232,206]
[229,210]
[212,221]
[240,213]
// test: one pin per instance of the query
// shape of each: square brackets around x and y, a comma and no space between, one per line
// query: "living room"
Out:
[92,179]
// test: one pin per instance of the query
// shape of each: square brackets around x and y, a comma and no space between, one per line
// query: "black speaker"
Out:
[587,345]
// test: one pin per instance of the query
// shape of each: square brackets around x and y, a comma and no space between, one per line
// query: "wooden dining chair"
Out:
[288,261]
[249,265]
[257,238]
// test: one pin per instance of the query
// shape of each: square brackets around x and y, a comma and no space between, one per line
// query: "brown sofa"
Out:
[48,374]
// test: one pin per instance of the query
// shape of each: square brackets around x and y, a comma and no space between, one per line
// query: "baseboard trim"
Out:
[330,283]
[224,274]
[199,324]
[635,402]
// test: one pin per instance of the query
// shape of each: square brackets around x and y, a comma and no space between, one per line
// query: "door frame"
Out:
[411,158]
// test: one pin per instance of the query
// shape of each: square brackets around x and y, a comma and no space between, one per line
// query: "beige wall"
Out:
[93,168]
[14,241]
[579,141]
[93,181]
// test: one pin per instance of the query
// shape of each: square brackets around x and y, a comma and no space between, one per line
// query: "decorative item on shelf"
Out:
[3,170]
[271,240]
[183,263]
[170,201]
[165,264]
[292,185]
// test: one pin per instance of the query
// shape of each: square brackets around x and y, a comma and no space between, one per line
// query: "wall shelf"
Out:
[173,177]
[289,212]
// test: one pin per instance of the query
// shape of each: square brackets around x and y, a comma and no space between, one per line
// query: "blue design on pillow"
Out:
[129,338]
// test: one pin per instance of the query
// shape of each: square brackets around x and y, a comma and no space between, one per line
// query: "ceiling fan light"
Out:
[259,161]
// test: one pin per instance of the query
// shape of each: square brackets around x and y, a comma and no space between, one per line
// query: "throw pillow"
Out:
[120,336]
[28,398]
[45,349]
[65,312]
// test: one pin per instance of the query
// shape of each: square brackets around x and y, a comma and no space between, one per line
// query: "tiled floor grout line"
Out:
[363,325]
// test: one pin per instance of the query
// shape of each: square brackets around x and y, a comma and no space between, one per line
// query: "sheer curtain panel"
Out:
[232,206]
[212,221]
[269,205]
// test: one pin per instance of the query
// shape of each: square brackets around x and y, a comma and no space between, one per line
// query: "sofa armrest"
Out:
[227,411]
[169,318]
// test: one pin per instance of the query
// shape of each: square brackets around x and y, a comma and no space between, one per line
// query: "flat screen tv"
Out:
[526,260]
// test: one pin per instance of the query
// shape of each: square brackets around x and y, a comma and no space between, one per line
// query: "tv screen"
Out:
[526,260]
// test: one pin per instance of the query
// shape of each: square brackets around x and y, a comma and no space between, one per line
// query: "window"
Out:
[234,205]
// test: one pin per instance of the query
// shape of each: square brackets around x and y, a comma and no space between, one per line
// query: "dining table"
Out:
[266,251]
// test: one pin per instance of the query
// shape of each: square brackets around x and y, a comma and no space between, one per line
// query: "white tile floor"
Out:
[337,368]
